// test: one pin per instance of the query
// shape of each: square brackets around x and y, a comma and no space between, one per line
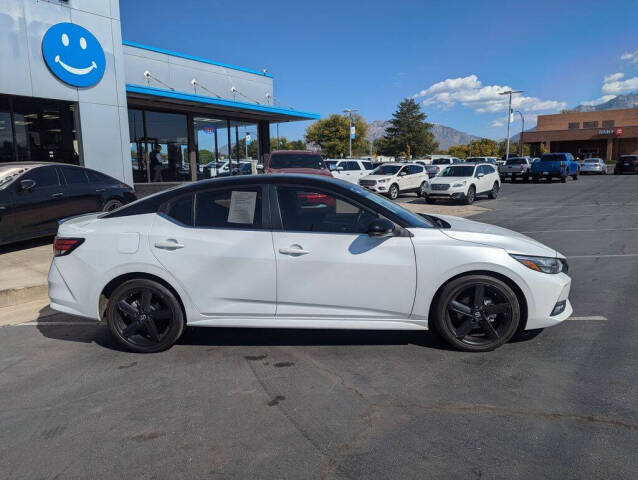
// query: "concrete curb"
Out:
[16,296]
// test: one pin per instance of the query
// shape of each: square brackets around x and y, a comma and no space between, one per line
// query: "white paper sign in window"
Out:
[242,207]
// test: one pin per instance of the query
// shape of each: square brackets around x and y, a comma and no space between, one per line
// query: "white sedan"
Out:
[464,182]
[300,251]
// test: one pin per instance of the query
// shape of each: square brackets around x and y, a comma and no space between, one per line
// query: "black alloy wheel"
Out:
[471,195]
[494,192]
[477,313]
[144,316]
[393,193]
[111,205]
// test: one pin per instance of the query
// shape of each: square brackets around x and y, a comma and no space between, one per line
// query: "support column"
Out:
[608,153]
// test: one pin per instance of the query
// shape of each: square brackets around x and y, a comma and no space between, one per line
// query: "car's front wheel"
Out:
[423,190]
[494,193]
[471,195]
[144,316]
[393,193]
[477,313]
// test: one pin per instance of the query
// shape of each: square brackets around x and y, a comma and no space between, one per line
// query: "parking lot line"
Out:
[33,324]
[610,255]
[587,318]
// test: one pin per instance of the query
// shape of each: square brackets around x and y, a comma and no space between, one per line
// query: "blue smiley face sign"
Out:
[73,54]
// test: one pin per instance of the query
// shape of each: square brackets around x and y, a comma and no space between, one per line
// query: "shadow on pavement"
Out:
[26,244]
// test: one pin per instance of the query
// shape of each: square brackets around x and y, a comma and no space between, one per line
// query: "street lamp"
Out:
[520,140]
[509,112]
[349,112]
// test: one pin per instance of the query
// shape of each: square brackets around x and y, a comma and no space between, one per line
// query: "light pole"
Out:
[520,140]
[349,111]
[509,113]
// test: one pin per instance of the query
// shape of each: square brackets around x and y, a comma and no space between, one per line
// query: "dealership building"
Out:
[71,90]
[606,134]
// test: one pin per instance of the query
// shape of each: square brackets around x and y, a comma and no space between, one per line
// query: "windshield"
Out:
[592,160]
[331,164]
[516,161]
[9,172]
[292,160]
[458,171]
[404,214]
[386,170]
[441,161]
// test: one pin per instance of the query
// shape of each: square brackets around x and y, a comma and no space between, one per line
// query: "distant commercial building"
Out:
[72,91]
[605,134]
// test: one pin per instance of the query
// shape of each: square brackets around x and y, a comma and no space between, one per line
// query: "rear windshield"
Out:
[592,160]
[553,157]
[441,161]
[516,161]
[458,171]
[296,161]
[10,172]
[628,157]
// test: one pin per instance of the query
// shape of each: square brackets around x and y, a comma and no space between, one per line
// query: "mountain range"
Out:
[446,136]
[621,101]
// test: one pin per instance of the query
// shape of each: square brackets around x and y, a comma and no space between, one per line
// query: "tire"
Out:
[575,177]
[471,195]
[467,324]
[144,316]
[494,192]
[112,204]
[563,179]
[535,179]
[393,192]
[421,192]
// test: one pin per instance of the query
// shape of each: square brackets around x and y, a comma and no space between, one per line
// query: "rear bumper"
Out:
[62,297]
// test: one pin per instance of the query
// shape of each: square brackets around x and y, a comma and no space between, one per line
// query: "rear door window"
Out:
[74,175]
[181,210]
[367,165]
[238,208]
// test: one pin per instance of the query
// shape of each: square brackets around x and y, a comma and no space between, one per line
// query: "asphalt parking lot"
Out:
[227,403]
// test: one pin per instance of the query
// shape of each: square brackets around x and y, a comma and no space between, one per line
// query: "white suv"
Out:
[350,169]
[393,178]
[464,182]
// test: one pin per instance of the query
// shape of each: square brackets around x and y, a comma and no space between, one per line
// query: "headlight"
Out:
[381,181]
[543,264]
[459,184]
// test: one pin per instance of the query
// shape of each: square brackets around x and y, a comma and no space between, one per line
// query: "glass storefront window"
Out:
[211,136]
[244,146]
[167,147]
[44,130]
[138,151]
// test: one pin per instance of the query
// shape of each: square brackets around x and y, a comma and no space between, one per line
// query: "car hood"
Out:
[376,177]
[449,180]
[486,234]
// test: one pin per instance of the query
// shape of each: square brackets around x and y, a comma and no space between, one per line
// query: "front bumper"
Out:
[377,188]
[547,294]
[451,193]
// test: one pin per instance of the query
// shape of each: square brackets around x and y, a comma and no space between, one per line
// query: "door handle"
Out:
[170,244]
[3,207]
[100,190]
[57,195]
[294,250]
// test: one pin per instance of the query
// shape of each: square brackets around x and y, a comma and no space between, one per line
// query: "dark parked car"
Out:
[297,161]
[626,164]
[34,196]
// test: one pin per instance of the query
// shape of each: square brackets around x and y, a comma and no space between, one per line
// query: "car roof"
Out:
[295,152]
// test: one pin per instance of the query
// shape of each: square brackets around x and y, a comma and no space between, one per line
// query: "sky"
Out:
[453,57]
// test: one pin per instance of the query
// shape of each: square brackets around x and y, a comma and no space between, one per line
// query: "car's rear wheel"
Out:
[563,179]
[111,205]
[477,313]
[494,192]
[393,193]
[535,178]
[422,190]
[575,177]
[144,316]
[471,195]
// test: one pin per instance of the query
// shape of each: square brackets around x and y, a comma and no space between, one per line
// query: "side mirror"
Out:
[26,185]
[381,227]
[339,169]
[480,175]
[403,174]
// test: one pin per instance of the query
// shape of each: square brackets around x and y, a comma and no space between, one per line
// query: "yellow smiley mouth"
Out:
[73,70]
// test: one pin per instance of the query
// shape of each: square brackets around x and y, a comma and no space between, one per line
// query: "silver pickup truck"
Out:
[519,167]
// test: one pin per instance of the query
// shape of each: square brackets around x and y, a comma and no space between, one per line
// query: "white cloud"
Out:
[630,57]
[613,77]
[617,86]
[598,101]
[496,123]
[470,92]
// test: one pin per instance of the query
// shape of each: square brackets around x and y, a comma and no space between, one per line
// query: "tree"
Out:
[483,148]
[409,134]
[514,149]
[460,151]
[331,135]
[284,144]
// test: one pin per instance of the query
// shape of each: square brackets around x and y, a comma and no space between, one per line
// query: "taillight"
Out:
[64,246]
[438,168]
